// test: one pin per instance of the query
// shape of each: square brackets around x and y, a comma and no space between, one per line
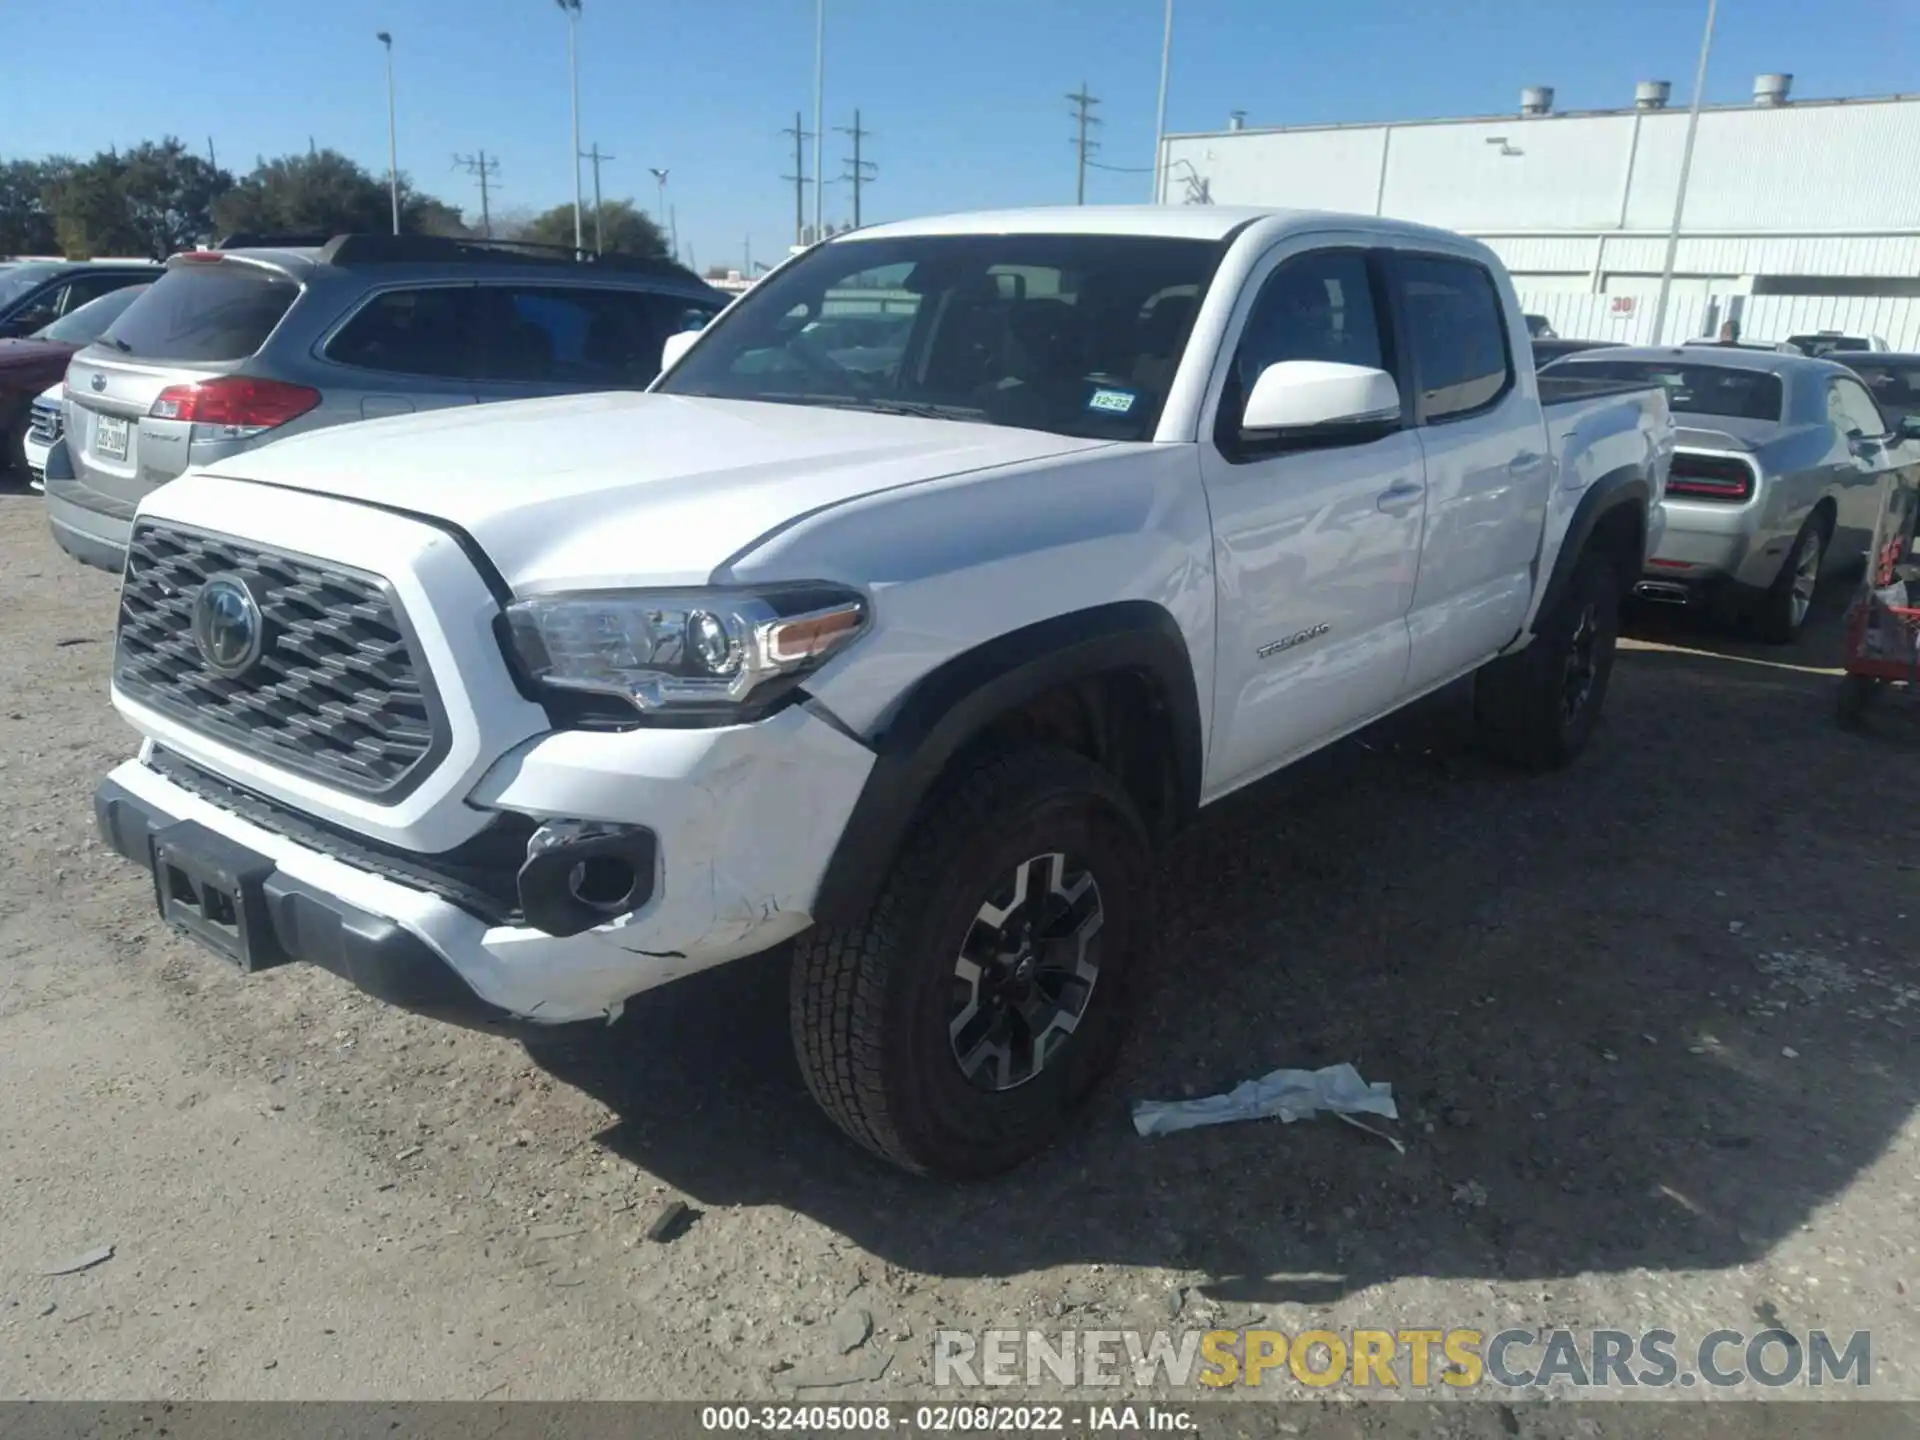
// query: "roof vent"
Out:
[1771,89]
[1536,100]
[1237,120]
[1652,94]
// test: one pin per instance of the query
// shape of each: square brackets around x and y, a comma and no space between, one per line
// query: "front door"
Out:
[1316,545]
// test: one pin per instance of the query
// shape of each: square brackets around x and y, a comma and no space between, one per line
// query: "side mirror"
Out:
[1316,394]
[1907,427]
[677,345]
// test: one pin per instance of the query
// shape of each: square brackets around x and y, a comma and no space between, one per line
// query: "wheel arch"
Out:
[1611,515]
[1118,675]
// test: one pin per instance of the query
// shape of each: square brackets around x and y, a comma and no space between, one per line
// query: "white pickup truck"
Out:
[937,581]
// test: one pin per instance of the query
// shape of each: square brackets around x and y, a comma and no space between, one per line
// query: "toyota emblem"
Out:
[99,382]
[228,626]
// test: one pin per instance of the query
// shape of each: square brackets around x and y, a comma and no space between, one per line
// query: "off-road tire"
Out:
[870,999]
[1522,710]
[1777,616]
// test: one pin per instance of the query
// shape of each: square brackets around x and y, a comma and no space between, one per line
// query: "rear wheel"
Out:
[1784,608]
[954,1026]
[1537,708]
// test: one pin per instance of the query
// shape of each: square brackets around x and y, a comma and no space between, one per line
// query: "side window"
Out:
[1457,334]
[1317,306]
[411,332]
[92,287]
[42,309]
[1851,408]
[608,339]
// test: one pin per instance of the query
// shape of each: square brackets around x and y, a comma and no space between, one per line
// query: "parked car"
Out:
[513,717]
[1830,342]
[46,422]
[234,348]
[1776,474]
[1894,380]
[35,293]
[1545,352]
[28,366]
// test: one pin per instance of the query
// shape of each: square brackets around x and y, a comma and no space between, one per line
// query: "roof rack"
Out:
[370,249]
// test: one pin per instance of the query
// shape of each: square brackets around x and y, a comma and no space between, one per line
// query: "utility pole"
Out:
[819,116]
[859,172]
[572,9]
[210,156]
[746,258]
[1686,169]
[1083,117]
[484,170]
[799,177]
[393,144]
[595,156]
[660,215]
[1160,122]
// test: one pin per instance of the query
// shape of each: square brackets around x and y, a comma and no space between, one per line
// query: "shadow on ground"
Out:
[1582,987]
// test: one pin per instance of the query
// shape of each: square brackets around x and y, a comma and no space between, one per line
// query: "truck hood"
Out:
[608,489]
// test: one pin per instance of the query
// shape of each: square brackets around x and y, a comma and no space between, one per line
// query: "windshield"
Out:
[17,280]
[1693,389]
[90,321]
[1072,334]
[1895,383]
[1826,344]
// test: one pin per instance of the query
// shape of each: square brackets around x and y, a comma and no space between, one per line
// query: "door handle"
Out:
[1520,464]
[1400,497]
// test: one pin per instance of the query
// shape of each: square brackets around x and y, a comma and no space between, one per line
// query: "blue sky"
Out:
[966,100]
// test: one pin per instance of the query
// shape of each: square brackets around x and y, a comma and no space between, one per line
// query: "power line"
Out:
[484,170]
[1083,119]
[859,172]
[799,177]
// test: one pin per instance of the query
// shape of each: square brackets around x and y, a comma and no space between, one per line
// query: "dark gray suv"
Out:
[235,347]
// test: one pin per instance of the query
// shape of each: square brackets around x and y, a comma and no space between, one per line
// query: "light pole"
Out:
[572,9]
[1160,125]
[1686,168]
[393,144]
[819,114]
[660,216]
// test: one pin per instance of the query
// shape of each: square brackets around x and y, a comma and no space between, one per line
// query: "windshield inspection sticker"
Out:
[1114,402]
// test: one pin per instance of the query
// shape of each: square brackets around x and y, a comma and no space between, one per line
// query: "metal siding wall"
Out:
[1768,255]
[1303,170]
[1765,318]
[1567,174]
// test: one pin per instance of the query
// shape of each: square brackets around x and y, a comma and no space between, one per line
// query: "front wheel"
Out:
[954,1026]
[1537,708]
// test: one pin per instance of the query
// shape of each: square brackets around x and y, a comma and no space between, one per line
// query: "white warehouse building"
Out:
[1800,215]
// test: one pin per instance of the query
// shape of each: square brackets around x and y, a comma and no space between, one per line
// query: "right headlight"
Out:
[721,652]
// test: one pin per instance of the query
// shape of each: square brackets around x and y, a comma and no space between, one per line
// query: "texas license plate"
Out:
[110,437]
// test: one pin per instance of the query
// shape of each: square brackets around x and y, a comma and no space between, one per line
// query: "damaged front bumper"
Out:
[696,846]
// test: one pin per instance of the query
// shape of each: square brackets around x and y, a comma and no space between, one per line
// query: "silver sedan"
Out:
[1776,474]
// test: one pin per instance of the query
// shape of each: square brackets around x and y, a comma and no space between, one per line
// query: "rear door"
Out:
[201,319]
[1488,474]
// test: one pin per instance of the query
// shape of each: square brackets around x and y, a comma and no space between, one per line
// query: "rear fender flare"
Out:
[1626,488]
[957,702]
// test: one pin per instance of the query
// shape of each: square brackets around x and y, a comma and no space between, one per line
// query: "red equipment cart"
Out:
[1883,623]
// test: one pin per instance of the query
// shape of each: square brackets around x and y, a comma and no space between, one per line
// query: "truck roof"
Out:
[1186,222]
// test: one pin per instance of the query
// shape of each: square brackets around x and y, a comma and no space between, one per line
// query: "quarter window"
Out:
[1458,334]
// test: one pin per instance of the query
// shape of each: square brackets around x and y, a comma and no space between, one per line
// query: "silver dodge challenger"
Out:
[1777,469]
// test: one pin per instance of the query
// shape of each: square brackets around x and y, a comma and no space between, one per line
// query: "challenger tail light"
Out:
[235,402]
[1710,477]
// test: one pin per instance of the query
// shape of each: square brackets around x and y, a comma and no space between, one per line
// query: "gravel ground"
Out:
[1651,1024]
